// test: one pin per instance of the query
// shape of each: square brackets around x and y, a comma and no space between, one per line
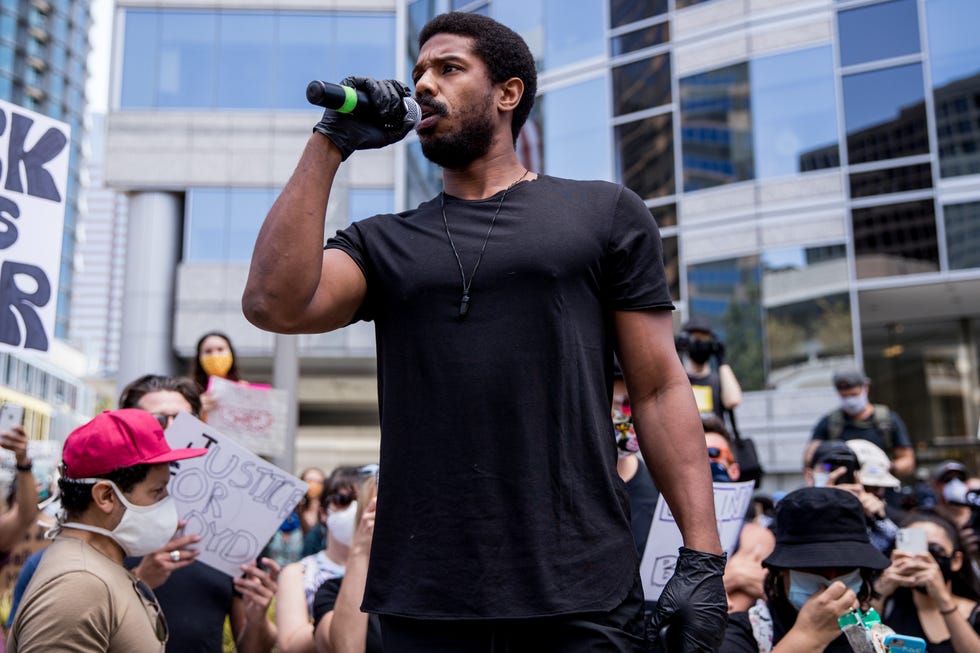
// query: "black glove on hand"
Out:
[366,133]
[720,352]
[693,604]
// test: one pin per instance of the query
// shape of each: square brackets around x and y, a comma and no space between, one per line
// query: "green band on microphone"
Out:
[350,100]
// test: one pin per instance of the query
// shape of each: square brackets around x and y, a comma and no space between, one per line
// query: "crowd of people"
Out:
[516,518]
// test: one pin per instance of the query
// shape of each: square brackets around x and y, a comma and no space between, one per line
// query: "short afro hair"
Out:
[501,49]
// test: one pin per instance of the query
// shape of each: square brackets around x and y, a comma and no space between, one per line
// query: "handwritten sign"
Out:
[229,496]
[254,416]
[34,174]
[660,554]
[32,541]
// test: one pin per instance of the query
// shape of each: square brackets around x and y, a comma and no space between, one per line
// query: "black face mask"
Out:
[719,473]
[700,351]
[945,563]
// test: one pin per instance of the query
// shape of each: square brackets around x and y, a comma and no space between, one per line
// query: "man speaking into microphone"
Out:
[498,305]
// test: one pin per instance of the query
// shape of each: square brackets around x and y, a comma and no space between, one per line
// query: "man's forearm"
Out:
[286,263]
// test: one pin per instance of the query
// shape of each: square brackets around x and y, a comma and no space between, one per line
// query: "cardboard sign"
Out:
[230,497]
[33,181]
[32,542]
[253,415]
[660,555]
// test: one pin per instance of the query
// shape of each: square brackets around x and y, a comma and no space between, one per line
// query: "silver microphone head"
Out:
[413,112]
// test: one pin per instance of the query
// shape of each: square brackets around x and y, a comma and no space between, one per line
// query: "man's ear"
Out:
[511,92]
[104,497]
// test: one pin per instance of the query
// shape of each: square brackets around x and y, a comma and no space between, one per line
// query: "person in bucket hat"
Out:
[823,566]
[114,476]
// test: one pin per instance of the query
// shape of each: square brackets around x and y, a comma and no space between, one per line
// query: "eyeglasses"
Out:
[720,452]
[160,625]
[165,419]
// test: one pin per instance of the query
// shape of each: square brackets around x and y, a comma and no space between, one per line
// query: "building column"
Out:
[152,254]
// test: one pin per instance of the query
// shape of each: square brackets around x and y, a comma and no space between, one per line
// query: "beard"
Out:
[470,140]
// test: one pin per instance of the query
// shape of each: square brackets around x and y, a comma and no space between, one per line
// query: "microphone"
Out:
[344,99]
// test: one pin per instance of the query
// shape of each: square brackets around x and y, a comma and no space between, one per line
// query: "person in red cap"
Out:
[114,498]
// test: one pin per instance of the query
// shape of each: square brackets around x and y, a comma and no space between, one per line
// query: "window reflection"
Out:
[576,143]
[555,35]
[645,152]
[798,296]
[807,309]
[640,39]
[891,180]
[963,235]
[242,59]
[716,136]
[727,294]
[222,223]
[895,239]
[366,202]
[794,115]
[624,12]
[885,114]
[955,66]
[641,85]
[880,31]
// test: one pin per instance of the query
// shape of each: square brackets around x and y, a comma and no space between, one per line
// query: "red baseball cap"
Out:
[119,438]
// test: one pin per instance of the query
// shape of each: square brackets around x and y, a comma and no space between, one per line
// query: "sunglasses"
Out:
[342,499]
[720,452]
[145,593]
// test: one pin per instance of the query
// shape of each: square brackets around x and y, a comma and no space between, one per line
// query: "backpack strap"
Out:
[884,424]
[835,424]
[761,620]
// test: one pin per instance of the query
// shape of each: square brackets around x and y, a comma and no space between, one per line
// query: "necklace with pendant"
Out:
[464,303]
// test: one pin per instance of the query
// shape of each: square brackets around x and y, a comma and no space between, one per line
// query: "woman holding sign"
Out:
[214,356]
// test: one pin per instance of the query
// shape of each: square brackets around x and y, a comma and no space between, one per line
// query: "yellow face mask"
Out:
[216,364]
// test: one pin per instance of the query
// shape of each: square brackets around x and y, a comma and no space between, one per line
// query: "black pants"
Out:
[621,630]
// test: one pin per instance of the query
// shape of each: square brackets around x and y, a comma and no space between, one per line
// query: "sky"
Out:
[97,87]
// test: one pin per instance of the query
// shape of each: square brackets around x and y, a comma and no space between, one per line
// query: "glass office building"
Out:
[814,169]
[43,51]
[813,166]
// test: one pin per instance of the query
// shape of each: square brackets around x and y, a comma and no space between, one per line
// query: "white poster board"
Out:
[253,415]
[33,181]
[660,555]
[229,496]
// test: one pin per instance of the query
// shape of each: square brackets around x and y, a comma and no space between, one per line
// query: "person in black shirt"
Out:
[497,306]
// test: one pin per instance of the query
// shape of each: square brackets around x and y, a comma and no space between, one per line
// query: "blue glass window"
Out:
[366,202]
[624,12]
[556,35]
[716,132]
[576,143]
[885,114]
[251,60]
[222,223]
[641,85]
[955,62]
[880,31]
[794,115]
[895,239]
[645,155]
[963,235]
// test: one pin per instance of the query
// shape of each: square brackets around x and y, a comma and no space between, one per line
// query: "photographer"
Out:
[715,389]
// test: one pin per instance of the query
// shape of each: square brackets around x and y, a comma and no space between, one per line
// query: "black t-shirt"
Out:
[500,496]
[325,600]
[707,392]
[643,496]
[865,430]
[900,613]
[740,639]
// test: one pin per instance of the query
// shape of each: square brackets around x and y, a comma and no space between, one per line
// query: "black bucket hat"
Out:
[822,527]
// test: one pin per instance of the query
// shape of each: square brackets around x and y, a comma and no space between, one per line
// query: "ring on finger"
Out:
[175,555]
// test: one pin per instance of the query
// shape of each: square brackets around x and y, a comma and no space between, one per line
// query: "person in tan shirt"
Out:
[115,473]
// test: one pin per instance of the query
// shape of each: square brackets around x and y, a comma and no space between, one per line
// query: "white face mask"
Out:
[142,529]
[854,405]
[803,585]
[340,524]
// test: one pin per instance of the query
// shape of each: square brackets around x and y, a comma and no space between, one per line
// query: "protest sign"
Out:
[252,415]
[32,541]
[34,173]
[229,496]
[660,555]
